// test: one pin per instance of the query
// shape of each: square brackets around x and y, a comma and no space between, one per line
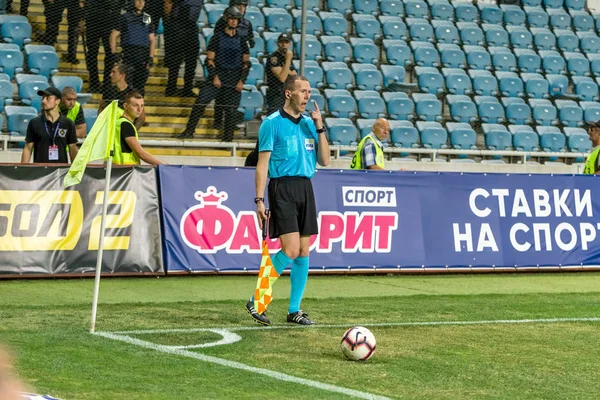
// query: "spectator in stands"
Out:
[245,32]
[180,19]
[137,41]
[128,149]
[70,108]
[50,134]
[369,153]
[592,164]
[53,11]
[279,67]
[118,90]
[228,63]
[100,16]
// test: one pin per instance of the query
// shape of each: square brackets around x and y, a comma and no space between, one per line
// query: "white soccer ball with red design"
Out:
[358,344]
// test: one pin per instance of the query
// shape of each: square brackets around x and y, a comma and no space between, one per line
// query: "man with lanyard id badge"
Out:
[50,135]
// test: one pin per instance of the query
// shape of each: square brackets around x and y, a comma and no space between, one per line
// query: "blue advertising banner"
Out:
[388,220]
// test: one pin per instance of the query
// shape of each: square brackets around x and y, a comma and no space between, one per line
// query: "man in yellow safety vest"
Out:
[70,108]
[369,153]
[591,164]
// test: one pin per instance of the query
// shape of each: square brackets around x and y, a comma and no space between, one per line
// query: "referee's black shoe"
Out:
[260,318]
[300,318]
[185,135]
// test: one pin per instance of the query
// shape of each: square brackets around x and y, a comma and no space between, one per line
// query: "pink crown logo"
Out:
[211,196]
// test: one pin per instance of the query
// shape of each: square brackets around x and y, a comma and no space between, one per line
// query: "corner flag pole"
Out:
[101,241]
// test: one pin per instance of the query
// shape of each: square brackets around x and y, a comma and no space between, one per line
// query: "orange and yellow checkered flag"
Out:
[266,275]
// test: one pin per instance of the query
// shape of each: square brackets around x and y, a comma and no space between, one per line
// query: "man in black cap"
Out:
[49,134]
[279,67]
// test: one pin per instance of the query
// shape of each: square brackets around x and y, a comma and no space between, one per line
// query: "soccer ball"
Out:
[358,344]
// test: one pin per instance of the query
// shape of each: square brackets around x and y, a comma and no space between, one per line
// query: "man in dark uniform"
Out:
[50,133]
[137,40]
[181,43]
[245,32]
[118,91]
[228,64]
[53,11]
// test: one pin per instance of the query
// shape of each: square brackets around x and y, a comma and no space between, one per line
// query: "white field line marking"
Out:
[228,338]
[233,364]
[376,324]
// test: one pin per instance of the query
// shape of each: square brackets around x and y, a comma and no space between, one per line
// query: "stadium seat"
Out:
[462,109]
[316,96]
[470,34]
[566,40]
[343,7]
[367,76]
[591,111]
[497,137]
[536,17]
[517,111]
[11,59]
[528,61]
[313,22]
[393,27]
[489,109]
[462,136]
[457,81]
[393,8]
[404,134]
[445,32]
[338,75]
[441,10]
[251,104]
[503,59]
[552,62]
[579,143]
[543,39]
[559,19]
[43,63]
[341,131]
[427,107]
[578,5]
[416,9]
[429,80]
[256,74]
[594,64]
[28,86]
[90,114]
[433,135]
[336,48]
[510,85]
[258,51]
[17,32]
[495,35]
[75,82]
[569,113]
[393,75]
[367,26]
[543,112]
[589,42]
[478,58]
[420,30]
[364,126]
[574,131]
[270,41]
[520,37]
[369,104]
[399,106]
[397,52]
[490,13]
[364,50]
[340,103]
[312,47]
[553,4]
[558,84]
[465,12]
[312,72]
[334,24]
[277,20]
[525,140]
[577,64]
[366,7]
[425,54]
[582,21]
[484,83]
[18,118]
[585,88]
[256,17]
[451,56]
[213,13]
[313,5]
[551,139]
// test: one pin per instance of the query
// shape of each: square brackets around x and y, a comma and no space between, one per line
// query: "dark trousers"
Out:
[181,45]
[136,59]
[97,32]
[53,13]
[226,95]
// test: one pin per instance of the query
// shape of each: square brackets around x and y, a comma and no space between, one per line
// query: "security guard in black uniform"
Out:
[137,41]
[245,32]
[53,11]
[181,44]
[279,67]
[228,64]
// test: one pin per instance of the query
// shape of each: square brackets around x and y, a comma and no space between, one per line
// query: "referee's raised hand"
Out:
[316,116]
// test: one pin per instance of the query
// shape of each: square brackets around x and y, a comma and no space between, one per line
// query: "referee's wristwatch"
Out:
[257,199]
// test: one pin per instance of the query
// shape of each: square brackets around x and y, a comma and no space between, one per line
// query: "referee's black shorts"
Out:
[292,206]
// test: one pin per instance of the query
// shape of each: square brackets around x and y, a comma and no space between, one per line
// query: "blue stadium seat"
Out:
[526,140]
[285,4]
[425,54]
[513,15]
[551,139]
[213,13]
[591,111]
[18,118]
[17,32]
[585,88]
[536,17]
[416,9]
[490,13]
[445,32]
[594,64]
[341,131]
[364,50]
[251,104]
[314,5]
[478,58]
[543,112]
[367,76]
[393,8]
[579,143]
[420,30]
[495,35]
[451,56]
[559,19]
[582,21]
[457,81]
[466,12]
[589,42]
[75,82]
[370,104]
[397,52]
[336,48]
[42,62]
[484,83]
[575,4]
[543,39]
[334,24]
[462,136]
[470,34]
[489,109]
[312,71]
[259,46]
[427,107]
[313,22]
[6,94]
[517,111]
[552,62]
[441,10]
[404,134]
[256,17]
[367,26]
[510,84]
[558,84]
[393,27]
[577,64]
[575,131]
[497,137]
[343,7]
[553,4]
[340,103]
[399,106]
[462,109]
[433,135]
[90,114]
[520,37]
[271,41]
[566,40]
[528,61]
[256,74]
[28,86]
[312,47]
[277,20]
[365,126]
[338,75]
[11,59]
[204,38]
[315,95]
[503,59]
[4,18]
[392,75]
[366,7]
[569,113]
[429,80]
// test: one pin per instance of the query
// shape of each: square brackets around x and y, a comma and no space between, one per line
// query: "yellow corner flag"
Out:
[97,145]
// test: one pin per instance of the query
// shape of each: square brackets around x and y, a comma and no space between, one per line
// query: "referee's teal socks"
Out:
[281,261]
[298,278]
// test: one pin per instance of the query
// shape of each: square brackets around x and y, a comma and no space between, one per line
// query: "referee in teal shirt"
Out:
[290,144]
